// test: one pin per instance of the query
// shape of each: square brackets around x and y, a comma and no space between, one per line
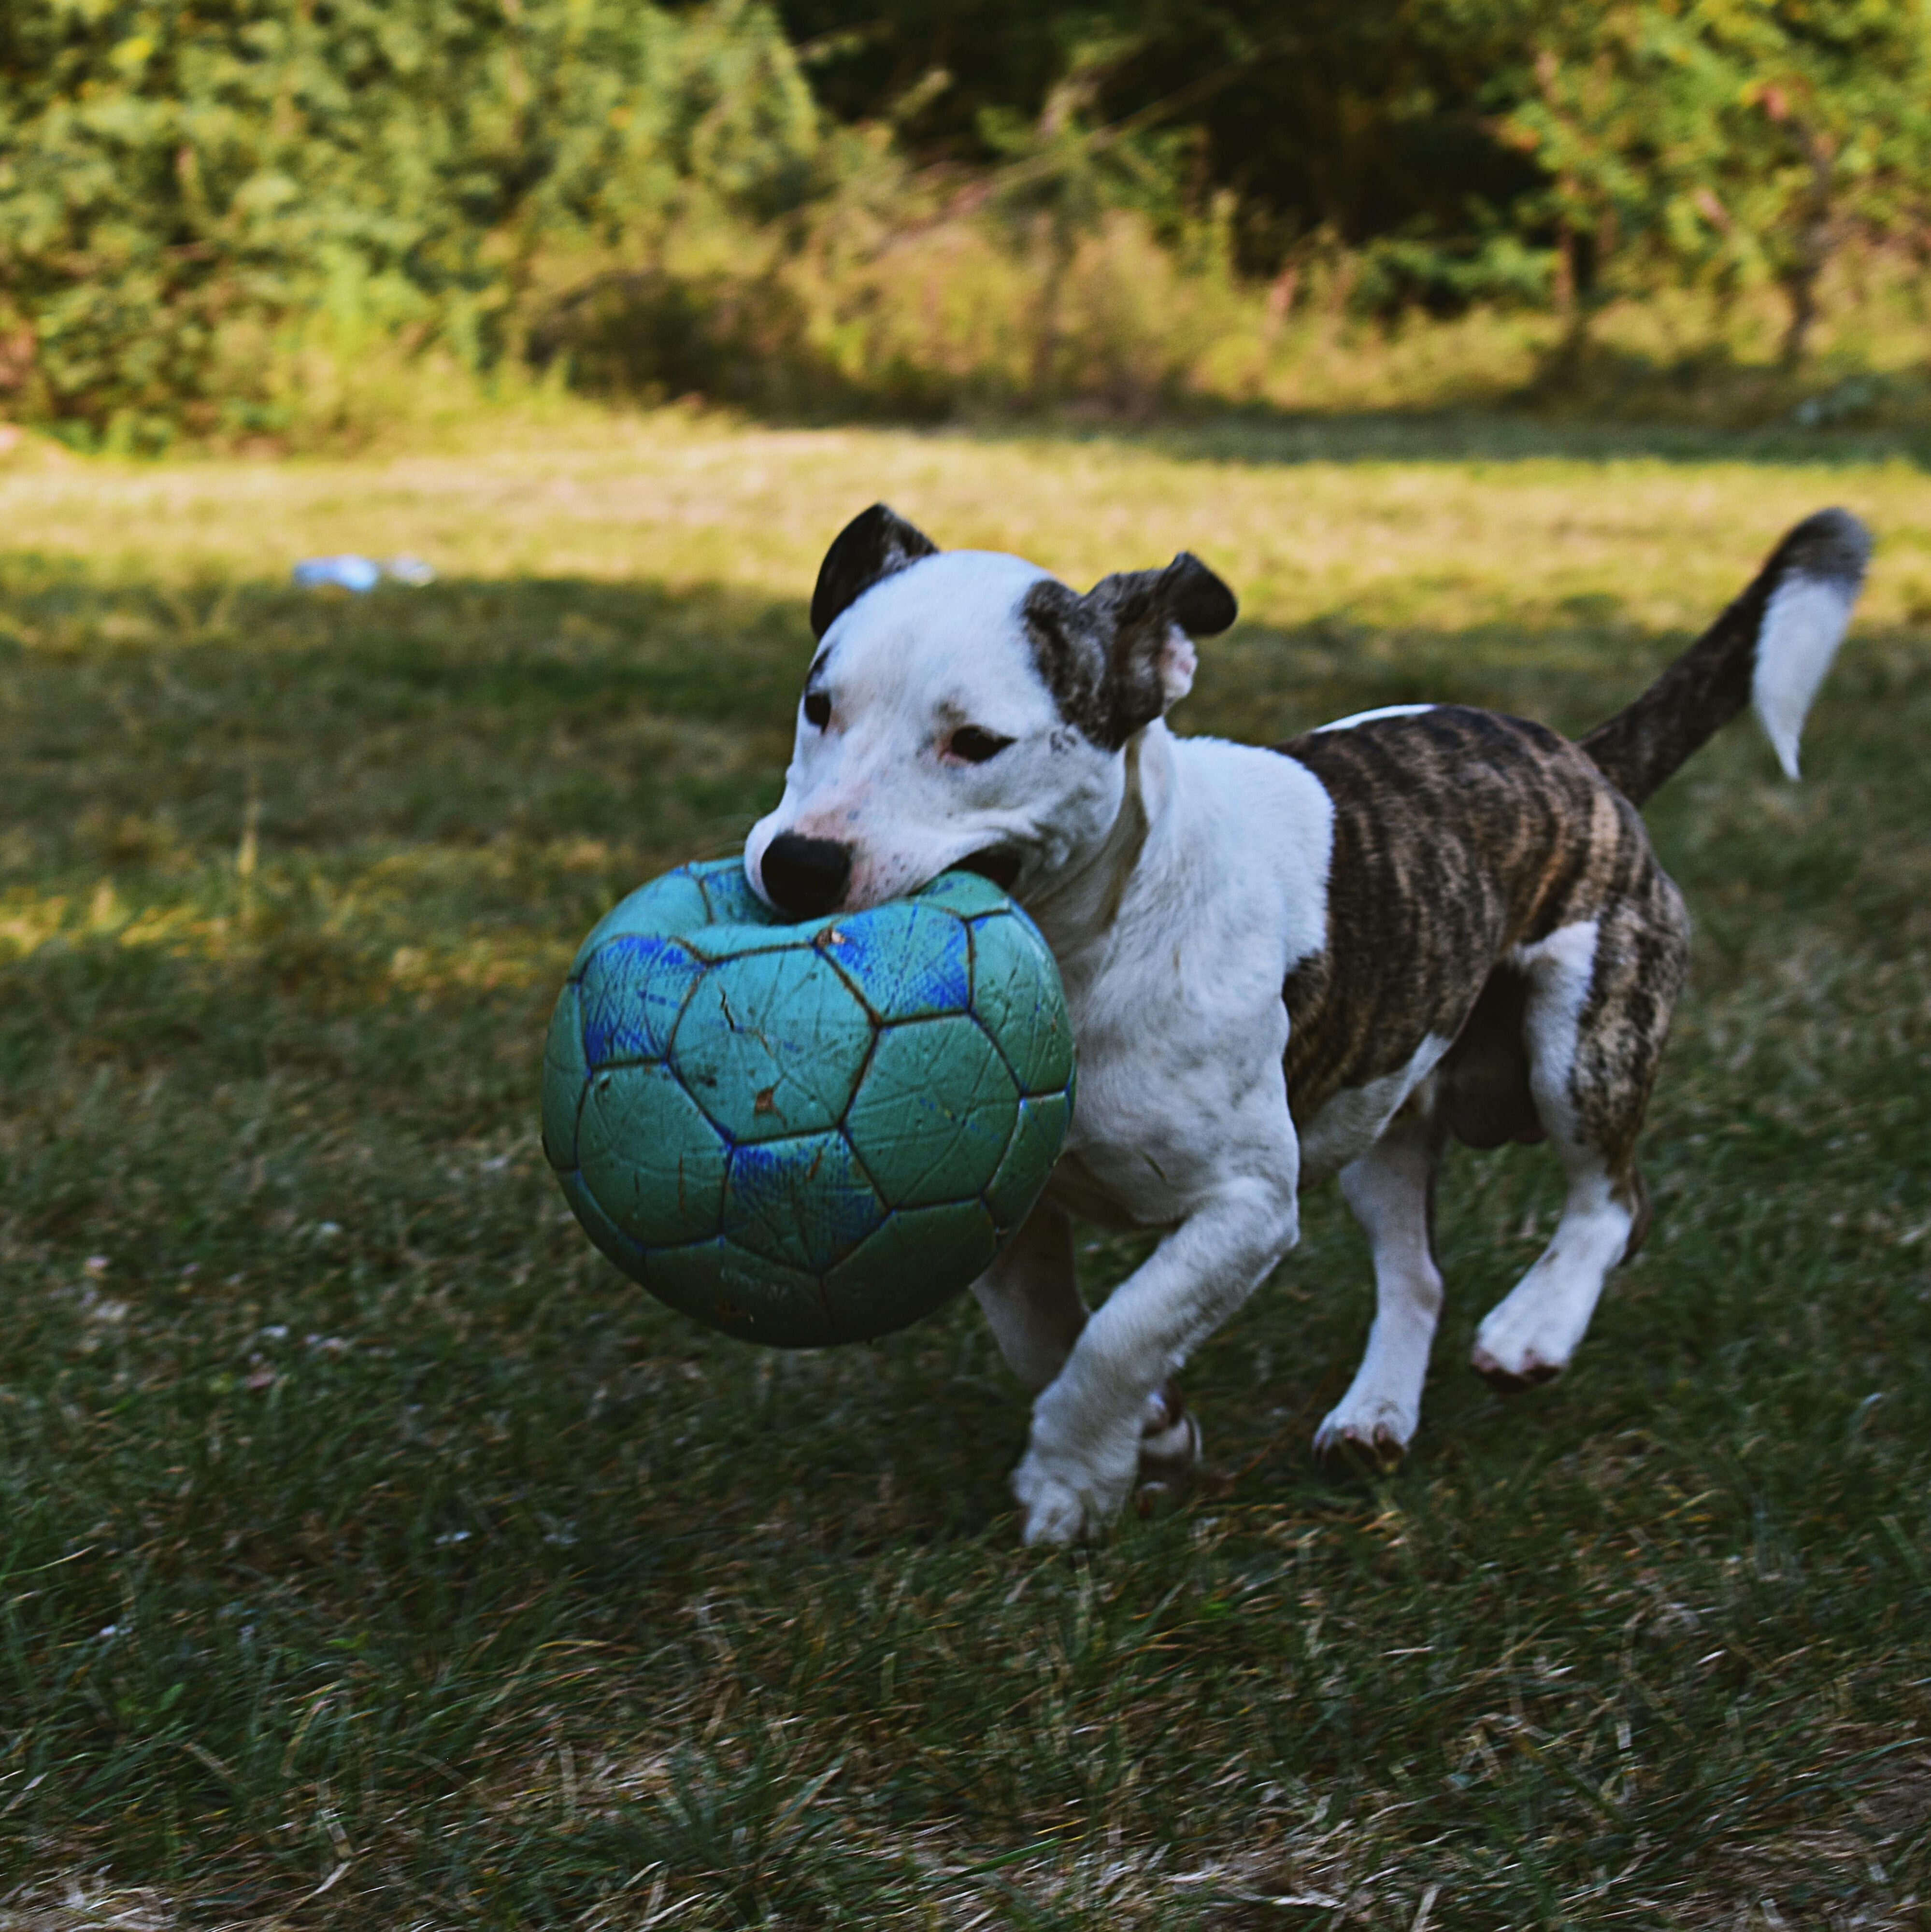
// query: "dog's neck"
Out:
[1078,906]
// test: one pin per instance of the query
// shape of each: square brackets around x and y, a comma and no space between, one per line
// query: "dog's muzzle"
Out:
[805,876]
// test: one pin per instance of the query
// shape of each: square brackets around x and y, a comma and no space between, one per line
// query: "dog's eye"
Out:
[817,709]
[974,745]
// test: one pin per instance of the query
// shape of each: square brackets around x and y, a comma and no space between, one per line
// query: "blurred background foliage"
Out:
[291,219]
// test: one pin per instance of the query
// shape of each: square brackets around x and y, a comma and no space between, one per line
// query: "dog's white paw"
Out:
[1055,1512]
[1512,1354]
[1067,1499]
[1371,1428]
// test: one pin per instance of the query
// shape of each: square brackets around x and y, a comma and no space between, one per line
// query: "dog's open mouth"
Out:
[999,863]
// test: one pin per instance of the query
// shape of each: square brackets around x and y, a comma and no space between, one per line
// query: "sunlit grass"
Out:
[358,1526]
[1308,521]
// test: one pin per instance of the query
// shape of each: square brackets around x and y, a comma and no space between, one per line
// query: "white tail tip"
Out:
[1803,623]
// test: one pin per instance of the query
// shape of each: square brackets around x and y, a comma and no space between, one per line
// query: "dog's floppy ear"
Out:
[1147,619]
[876,543]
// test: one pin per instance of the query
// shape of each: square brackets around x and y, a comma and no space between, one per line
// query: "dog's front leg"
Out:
[1085,1448]
[1030,1297]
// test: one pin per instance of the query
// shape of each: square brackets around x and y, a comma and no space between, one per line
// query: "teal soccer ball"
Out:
[812,1133]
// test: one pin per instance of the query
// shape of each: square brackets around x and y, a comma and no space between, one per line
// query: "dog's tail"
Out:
[1771,647]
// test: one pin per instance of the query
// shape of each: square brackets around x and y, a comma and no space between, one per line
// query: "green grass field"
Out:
[371,1555]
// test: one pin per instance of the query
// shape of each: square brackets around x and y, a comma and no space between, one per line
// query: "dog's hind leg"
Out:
[1601,994]
[1390,1189]
[1030,1297]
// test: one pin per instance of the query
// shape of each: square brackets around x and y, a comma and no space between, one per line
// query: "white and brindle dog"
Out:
[1321,959]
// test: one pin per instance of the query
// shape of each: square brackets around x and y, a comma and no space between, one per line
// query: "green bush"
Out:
[183,190]
[301,219]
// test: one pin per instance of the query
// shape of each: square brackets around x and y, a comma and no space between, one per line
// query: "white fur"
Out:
[1388,1190]
[1352,1122]
[1173,982]
[1534,1331]
[1803,624]
[927,650]
[1348,724]
[1181,1122]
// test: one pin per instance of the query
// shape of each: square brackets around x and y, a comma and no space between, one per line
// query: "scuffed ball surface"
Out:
[806,1134]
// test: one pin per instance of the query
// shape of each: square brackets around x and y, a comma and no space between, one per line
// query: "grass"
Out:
[371,1555]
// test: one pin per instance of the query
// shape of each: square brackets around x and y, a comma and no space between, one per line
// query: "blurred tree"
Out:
[179,179]
[1526,149]
[1726,140]
[1331,117]
[167,169]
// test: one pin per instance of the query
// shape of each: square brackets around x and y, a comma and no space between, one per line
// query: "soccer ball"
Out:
[813,1133]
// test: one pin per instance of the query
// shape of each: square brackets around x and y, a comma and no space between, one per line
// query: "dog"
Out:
[1324,959]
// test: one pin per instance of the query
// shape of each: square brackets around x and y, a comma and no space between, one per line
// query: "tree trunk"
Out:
[1054,251]
[1817,238]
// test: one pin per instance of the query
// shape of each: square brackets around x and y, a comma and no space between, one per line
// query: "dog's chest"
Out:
[1176,1005]
[1153,1118]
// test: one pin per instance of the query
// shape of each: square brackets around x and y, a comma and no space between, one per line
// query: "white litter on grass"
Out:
[349,571]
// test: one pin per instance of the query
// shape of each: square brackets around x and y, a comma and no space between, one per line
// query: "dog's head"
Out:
[966,708]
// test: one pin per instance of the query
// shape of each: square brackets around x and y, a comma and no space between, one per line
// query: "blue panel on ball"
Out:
[633,989]
[728,893]
[666,906]
[909,961]
[805,1202]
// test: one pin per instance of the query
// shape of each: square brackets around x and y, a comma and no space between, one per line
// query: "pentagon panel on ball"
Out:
[812,1133]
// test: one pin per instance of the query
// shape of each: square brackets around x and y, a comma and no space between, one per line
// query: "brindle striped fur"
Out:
[1459,835]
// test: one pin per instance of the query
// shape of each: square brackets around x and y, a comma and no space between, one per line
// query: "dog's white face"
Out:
[926,736]
[963,708]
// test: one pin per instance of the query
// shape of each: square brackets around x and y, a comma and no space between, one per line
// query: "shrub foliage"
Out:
[180,182]
[204,204]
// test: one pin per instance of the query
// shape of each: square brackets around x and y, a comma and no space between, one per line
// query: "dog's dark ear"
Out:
[1149,618]
[1117,658]
[1200,604]
[876,543]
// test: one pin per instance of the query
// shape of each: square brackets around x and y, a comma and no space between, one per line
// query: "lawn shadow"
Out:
[1261,436]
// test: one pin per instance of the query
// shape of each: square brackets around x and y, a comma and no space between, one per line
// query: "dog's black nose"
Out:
[806,877]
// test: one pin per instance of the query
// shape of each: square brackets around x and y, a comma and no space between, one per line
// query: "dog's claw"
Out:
[1365,1437]
[1533,1374]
